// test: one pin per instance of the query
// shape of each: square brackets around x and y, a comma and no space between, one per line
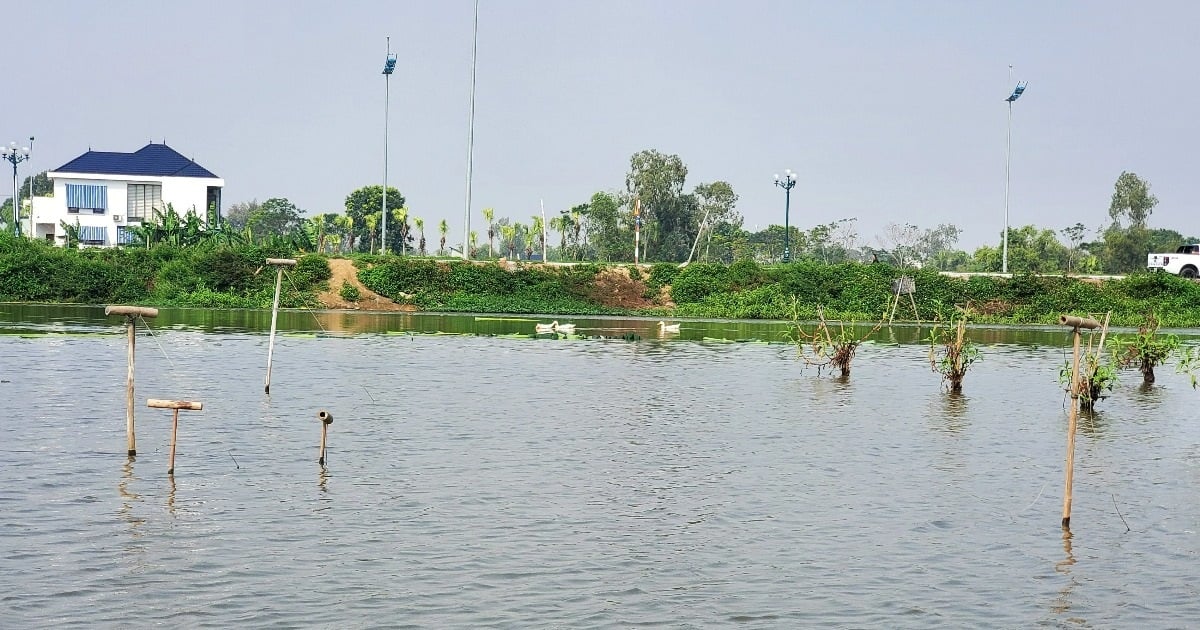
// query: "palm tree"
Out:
[372,221]
[508,236]
[315,226]
[576,226]
[344,224]
[472,238]
[539,228]
[420,223]
[489,216]
[443,228]
[401,217]
[559,224]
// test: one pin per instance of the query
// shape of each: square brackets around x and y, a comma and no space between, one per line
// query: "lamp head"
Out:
[776,176]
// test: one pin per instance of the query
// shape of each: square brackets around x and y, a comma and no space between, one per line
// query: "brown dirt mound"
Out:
[616,289]
[344,271]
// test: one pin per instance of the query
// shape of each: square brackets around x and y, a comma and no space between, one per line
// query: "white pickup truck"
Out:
[1184,262]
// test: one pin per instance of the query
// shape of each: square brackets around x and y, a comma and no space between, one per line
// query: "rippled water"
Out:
[497,482]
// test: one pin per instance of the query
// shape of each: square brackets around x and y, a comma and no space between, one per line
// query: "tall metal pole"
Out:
[387,81]
[787,230]
[30,197]
[471,137]
[16,215]
[787,182]
[1007,178]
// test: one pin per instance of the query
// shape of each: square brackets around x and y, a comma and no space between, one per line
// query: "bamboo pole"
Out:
[279,264]
[326,419]
[174,406]
[131,314]
[1072,423]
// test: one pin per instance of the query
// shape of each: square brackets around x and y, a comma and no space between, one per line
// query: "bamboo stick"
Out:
[174,406]
[1078,322]
[1071,426]
[131,314]
[130,439]
[326,419]
[174,438]
[279,264]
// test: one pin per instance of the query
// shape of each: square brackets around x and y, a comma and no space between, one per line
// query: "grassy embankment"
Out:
[231,277]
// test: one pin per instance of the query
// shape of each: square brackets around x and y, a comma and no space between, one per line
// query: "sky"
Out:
[891,111]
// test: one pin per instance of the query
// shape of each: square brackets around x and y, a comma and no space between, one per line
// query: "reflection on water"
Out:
[512,482]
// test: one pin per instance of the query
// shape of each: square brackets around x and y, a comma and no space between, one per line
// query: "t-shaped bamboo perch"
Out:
[131,314]
[1075,323]
[174,405]
[279,264]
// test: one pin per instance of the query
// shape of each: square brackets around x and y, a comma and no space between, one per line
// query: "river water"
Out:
[479,480]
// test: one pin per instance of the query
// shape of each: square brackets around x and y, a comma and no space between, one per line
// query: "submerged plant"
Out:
[1145,350]
[824,347]
[951,352]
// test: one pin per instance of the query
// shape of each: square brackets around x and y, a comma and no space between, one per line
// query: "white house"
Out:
[104,192]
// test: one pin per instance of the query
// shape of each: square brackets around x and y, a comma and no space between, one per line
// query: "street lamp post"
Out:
[16,156]
[389,66]
[1017,92]
[787,183]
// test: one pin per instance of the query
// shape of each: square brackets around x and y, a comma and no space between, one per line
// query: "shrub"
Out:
[349,292]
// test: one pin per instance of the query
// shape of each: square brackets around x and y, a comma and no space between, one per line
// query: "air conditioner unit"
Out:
[118,218]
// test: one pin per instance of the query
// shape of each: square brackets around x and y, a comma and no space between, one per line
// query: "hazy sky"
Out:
[890,111]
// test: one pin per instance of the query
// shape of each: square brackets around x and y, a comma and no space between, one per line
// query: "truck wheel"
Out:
[1188,272]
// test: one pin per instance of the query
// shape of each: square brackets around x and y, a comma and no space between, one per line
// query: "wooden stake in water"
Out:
[1075,323]
[131,314]
[326,419]
[174,405]
[279,264]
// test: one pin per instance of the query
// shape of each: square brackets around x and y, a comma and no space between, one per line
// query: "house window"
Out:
[144,199]
[87,199]
[92,235]
[125,236]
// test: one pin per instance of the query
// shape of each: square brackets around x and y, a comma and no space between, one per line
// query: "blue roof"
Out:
[156,160]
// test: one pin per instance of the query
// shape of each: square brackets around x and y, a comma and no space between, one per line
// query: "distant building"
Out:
[105,192]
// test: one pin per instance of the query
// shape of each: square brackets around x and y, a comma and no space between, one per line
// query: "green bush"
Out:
[349,292]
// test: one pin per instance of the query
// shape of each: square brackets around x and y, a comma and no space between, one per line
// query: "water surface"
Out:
[490,481]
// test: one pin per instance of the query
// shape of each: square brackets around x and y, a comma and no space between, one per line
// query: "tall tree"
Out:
[1131,200]
[443,229]
[369,199]
[607,228]
[237,214]
[657,180]
[274,217]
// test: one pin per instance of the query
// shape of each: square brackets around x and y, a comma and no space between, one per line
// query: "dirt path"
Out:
[345,271]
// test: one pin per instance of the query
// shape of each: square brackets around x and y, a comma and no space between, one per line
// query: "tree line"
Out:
[657,213]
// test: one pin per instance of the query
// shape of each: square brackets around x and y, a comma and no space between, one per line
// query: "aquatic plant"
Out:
[824,347]
[951,352]
[1144,350]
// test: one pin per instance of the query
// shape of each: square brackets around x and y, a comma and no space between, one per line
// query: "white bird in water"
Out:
[545,328]
[566,329]
[668,328]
